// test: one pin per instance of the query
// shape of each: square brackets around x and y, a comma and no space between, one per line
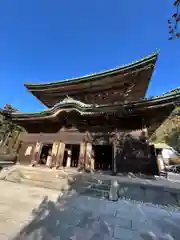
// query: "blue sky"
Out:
[47,40]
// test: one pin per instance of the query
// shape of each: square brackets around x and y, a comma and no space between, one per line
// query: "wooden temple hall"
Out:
[95,122]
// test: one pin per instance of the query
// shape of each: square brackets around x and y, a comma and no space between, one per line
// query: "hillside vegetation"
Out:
[169,131]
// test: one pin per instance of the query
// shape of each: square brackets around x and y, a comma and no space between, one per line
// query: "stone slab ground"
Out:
[33,213]
[154,190]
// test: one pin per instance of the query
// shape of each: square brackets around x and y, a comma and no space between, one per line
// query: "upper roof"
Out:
[52,92]
[145,60]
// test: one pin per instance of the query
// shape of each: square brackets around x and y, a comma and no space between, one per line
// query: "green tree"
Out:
[8,129]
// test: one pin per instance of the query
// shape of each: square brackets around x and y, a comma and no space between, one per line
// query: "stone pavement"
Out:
[154,190]
[28,212]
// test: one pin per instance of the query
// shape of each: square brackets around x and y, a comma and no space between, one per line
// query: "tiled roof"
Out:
[87,109]
[128,66]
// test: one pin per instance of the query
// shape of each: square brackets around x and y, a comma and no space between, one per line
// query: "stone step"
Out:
[92,192]
[96,180]
[89,184]
[49,172]
[63,185]
[56,180]
[60,186]
[42,173]
[43,178]
[96,186]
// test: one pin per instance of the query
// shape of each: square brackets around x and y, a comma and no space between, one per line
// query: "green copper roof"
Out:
[169,94]
[88,109]
[147,59]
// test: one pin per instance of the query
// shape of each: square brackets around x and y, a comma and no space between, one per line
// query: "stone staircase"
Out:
[91,185]
[95,185]
[82,183]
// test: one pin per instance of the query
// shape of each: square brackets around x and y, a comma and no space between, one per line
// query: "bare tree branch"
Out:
[173,22]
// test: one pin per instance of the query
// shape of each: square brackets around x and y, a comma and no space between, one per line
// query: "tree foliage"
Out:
[8,129]
[173,22]
[8,125]
[169,131]
[173,138]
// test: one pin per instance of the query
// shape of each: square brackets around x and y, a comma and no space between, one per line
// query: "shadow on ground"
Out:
[74,217]
[62,220]
[49,221]
[143,191]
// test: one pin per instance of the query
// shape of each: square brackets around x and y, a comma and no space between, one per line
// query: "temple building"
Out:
[96,122]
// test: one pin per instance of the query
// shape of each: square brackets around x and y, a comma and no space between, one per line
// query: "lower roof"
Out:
[124,109]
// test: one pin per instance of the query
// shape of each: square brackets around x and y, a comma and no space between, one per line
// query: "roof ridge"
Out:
[170,91]
[96,74]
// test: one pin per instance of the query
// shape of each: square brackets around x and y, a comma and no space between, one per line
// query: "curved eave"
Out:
[150,59]
[98,109]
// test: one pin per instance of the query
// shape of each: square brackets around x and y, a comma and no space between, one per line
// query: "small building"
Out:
[96,122]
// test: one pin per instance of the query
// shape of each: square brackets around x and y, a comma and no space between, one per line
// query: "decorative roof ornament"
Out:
[70,100]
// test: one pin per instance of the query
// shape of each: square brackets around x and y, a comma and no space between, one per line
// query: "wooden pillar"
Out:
[82,155]
[54,153]
[114,166]
[92,161]
[36,154]
[88,155]
[60,154]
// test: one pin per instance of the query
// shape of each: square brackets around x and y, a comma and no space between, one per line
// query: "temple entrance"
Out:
[75,148]
[45,152]
[72,151]
[65,155]
[103,155]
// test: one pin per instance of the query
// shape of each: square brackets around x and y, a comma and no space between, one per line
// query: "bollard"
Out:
[113,193]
